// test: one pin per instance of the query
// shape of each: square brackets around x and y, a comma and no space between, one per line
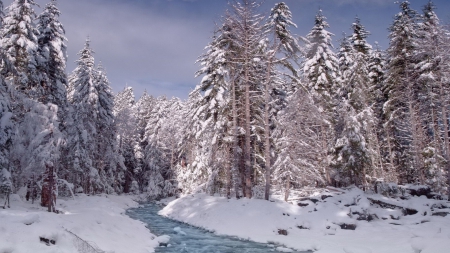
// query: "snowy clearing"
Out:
[99,220]
[317,226]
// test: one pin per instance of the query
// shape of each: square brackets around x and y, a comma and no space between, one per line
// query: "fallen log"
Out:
[382,204]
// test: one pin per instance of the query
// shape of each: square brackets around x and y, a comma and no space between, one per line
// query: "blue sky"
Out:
[153,44]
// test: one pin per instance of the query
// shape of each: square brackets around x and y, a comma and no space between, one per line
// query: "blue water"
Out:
[188,239]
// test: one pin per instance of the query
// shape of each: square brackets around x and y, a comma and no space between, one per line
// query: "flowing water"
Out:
[188,239]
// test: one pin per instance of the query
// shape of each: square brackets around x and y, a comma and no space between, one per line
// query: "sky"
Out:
[153,45]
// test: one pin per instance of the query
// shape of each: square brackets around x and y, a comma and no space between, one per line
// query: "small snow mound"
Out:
[163,239]
[28,220]
[179,231]
[356,250]
[283,249]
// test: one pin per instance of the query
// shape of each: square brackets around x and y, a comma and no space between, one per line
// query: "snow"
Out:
[99,220]
[179,231]
[317,226]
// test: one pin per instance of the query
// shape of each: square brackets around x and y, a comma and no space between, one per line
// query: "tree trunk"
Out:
[286,191]
[391,153]
[235,141]
[247,151]
[446,130]
[324,150]
[228,174]
[48,193]
[267,129]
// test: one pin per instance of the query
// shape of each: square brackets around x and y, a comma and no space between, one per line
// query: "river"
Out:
[188,239]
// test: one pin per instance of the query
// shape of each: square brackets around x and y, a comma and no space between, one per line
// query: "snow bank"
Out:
[99,220]
[317,226]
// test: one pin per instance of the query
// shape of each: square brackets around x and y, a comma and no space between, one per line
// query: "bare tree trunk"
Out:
[324,150]
[247,147]
[391,153]
[287,189]
[247,155]
[229,177]
[235,141]
[267,133]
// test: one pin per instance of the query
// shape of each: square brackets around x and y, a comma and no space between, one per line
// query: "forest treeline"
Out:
[273,110]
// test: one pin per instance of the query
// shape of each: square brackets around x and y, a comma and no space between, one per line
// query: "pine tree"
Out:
[94,163]
[248,32]
[107,159]
[346,59]
[321,71]
[128,138]
[52,58]
[382,158]
[20,45]
[300,145]
[401,108]
[377,65]
[2,14]
[36,141]
[352,154]
[430,60]
[192,172]
[142,108]
[282,41]
[7,126]
[83,128]
[229,99]
[162,134]
[214,106]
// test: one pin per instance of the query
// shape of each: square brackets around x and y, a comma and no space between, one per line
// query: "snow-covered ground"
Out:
[99,220]
[317,226]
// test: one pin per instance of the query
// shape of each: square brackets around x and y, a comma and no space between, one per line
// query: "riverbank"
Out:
[324,223]
[83,222]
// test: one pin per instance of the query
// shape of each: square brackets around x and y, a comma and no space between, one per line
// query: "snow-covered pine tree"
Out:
[142,109]
[248,32]
[346,59]
[377,66]
[52,57]
[6,124]
[321,72]
[356,137]
[2,14]
[211,113]
[36,141]
[299,146]
[20,46]
[107,160]
[280,40]
[192,172]
[155,156]
[93,161]
[430,56]
[351,153]
[127,135]
[163,135]
[232,103]
[402,107]
[82,129]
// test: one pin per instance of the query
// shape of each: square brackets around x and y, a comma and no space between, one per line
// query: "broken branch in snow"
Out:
[84,246]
